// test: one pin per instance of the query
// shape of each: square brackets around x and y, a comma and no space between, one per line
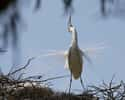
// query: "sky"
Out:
[46,30]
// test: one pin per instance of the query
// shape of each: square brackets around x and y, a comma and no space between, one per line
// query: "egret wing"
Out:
[86,56]
[62,56]
[89,52]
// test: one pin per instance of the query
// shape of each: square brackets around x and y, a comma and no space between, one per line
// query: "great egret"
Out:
[75,56]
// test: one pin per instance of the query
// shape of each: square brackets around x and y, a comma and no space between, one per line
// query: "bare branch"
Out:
[26,65]
[53,78]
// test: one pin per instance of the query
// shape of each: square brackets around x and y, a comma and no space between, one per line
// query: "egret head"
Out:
[71,28]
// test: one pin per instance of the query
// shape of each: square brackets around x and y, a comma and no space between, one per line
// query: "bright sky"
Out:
[47,30]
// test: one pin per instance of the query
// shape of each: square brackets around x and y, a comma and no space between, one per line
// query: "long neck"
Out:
[74,41]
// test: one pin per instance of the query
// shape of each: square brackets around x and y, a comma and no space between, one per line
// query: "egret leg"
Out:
[70,83]
[82,83]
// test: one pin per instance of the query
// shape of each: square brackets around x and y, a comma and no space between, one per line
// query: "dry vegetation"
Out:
[37,88]
[34,88]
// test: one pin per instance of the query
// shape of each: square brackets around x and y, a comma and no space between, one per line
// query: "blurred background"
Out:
[31,28]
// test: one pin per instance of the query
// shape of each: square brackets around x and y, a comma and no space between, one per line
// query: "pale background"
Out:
[47,30]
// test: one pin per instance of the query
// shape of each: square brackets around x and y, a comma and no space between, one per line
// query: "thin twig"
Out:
[53,78]
[28,62]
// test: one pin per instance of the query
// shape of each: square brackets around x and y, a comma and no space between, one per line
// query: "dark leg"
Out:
[82,83]
[70,82]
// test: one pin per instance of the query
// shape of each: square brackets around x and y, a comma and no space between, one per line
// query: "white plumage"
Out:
[74,55]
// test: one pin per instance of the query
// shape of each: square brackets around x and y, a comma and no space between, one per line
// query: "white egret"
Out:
[75,56]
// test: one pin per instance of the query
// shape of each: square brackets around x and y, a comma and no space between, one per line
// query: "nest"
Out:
[34,88]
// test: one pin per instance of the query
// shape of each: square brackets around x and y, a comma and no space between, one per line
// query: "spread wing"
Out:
[88,52]
[86,56]
[61,55]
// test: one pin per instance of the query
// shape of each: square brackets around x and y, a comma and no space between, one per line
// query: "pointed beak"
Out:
[69,24]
